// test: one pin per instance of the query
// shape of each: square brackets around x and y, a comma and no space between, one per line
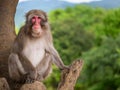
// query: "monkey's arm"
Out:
[55,57]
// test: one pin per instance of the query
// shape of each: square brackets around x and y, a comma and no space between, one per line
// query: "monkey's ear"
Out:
[46,17]
[26,15]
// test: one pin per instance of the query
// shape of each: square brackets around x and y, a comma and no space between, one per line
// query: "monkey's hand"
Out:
[65,68]
[40,78]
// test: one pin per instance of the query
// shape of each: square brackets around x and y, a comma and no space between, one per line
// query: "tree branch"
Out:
[3,84]
[69,77]
[34,86]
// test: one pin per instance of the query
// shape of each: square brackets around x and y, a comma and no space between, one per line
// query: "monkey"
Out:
[33,52]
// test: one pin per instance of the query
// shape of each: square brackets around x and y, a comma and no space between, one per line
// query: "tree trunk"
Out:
[7,32]
[7,25]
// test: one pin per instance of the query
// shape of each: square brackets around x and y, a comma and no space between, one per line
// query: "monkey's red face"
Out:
[36,24]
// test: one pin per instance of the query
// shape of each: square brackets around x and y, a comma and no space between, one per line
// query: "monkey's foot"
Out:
[39,78]
[29,79]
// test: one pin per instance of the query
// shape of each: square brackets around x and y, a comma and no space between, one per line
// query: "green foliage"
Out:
[112,23]
[102,69]
[52,81]
[70,39]
[92,34]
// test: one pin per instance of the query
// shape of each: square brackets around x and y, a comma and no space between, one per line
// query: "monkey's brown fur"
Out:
[33,53]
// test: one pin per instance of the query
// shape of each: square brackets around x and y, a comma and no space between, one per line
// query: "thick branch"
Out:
[34,86]
[69,77]
[3,84]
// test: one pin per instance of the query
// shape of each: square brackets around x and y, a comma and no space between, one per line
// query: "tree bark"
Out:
[34,86]
[69,77]
[3,84]
[7,25]
[7,33]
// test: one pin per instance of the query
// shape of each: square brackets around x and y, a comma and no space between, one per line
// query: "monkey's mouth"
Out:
[37,31]
[36,34]
[36,27]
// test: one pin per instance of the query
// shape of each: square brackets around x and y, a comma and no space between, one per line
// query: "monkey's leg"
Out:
[15,67]
[31,72]
[44,67]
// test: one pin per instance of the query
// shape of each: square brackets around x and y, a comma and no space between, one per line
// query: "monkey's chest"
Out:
[34,53]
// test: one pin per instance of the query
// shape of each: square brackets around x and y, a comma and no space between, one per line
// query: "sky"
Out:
[22,0]
[80,1]
[71,1]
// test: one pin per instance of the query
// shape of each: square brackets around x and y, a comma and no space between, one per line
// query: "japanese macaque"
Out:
[33,52]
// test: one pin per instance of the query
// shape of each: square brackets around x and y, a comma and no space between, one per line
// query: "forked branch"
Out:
[69,77]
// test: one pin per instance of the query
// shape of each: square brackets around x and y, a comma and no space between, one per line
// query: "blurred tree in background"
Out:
[102,70]
[112,23]
[92,34]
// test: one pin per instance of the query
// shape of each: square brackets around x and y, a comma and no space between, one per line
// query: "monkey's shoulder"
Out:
[18,44]
[21,33]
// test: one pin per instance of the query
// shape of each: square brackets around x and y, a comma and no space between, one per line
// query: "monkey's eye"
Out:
[36,19]
[39,18]
[33,19]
